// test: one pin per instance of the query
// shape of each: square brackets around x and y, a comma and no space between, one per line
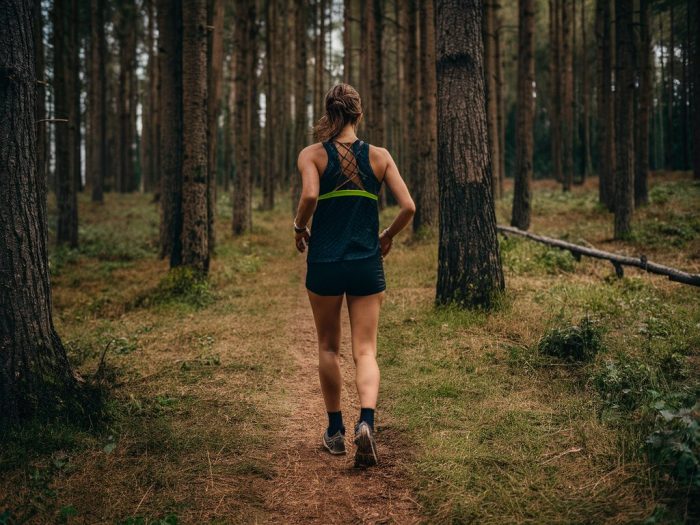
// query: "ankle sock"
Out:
[367,415]
[335,423]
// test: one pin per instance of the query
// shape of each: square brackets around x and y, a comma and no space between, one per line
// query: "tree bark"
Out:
[320,60]
[300,120]
[170,64]
[469,266]
[375,119]
[670,132]
[412,76]
[40,110]
[66,190]
[426,187]
[567,95]
[555,87]
[696,95]
[215,66]
[500,100]
[347,41]
[491,79]
[606,121]
[585,88]
[97,103]
[641,189]
[126,36]
[35,375]
[525,112]
[624,108]
[271,107]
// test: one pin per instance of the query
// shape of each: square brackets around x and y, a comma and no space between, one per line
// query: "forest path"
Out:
[310,485]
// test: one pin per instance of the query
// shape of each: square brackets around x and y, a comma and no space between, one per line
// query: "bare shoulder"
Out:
[312,152]
[380,158]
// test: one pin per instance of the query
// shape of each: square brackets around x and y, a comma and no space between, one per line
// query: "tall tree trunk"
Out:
[491,79]
[606,128]
[126,97]
[74,124]
[195,223]
[320,60]
[35,375]
[585,95]
[469,266]
[242,212]
[500,99]
[215,66]
[347,41]
[97,103]
[376,82]
[410,131]
[426,187]
[170,64]
[146,146]
[555,86]
[229,122]
[567,95]
[641,190]
[670,132]
[271,107]
[685,102]
[696,94]
[624,108]
[40,108]
[300,121]
[525,113]
[66,190]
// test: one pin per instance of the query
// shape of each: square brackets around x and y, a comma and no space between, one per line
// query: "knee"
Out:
[364,351]
[327,349]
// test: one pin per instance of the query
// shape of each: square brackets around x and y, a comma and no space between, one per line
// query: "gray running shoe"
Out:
[366,451]
[336,444]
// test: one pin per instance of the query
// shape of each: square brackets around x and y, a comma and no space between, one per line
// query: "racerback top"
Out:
[345,224]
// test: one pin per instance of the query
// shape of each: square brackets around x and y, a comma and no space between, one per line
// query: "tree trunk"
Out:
[242,212]
[525,115]
[671,88]
[215,66]
[641,190]
[40,109]
[624,107]
[35,376]
[300,121]
[97,103]
[410,131]
[170,64]
[500,100]
[126,97]
[469,266]
[347,41]
[375,119]
[66,190]
[585,88]
[685,102]
[195,223]
[555,87]
[696,95]
[426,187]
[606,129]
[491,79]
[567,95]
[320,60]
[75,88]
[271,107]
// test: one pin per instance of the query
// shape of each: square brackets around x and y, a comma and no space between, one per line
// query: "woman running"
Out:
[341,180]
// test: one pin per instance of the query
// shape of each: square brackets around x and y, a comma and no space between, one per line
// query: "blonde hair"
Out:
[343,107]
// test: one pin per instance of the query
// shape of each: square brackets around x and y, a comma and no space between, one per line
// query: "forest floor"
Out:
[214,413]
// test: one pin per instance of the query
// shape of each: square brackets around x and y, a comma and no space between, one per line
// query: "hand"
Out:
[301,240]
[385,241]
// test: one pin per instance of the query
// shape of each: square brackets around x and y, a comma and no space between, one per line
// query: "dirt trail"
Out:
[310,485]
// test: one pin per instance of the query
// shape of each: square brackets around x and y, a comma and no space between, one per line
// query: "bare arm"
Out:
[309,195]
[398,188]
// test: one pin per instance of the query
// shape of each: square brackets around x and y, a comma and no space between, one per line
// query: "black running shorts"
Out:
[357,277]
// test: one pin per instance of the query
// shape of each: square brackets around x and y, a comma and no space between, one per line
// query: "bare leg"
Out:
[326,311]
[364,318]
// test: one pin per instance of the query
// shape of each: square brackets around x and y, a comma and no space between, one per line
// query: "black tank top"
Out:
[345,224]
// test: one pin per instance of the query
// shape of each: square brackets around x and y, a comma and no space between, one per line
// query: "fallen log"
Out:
[618,261]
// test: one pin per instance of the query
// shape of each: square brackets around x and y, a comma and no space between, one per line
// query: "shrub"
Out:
[575,343]
[182,284]
[624,384]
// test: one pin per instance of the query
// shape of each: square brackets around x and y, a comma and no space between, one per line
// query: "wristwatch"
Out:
[299,230]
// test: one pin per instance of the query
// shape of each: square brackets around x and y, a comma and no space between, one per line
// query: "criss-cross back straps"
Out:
[348,165]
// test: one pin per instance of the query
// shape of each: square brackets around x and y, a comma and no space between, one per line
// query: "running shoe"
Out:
[366,451]
[335,444]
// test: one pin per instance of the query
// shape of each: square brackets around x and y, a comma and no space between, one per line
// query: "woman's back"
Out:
[346,220]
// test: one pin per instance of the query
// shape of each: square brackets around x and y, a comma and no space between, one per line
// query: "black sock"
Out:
[367,415]
[335,423]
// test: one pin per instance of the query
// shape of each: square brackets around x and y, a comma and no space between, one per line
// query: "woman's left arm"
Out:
[309,196]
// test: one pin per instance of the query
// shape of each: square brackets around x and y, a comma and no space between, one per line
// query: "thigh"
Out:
[326,310]
[364,320]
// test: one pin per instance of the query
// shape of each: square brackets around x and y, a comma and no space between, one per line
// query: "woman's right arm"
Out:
[398,188]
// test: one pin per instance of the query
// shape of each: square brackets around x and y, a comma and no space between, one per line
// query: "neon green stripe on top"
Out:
[347,193]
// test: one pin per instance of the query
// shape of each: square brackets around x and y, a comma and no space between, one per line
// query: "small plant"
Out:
[182,284]
[674,445]
[575,343]
[624,383]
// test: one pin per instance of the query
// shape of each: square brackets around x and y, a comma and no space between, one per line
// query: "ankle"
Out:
[367,416]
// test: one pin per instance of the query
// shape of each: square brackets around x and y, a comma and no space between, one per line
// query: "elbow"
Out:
[308,200]
[410,208]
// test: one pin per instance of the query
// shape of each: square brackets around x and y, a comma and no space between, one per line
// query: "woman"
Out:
[341,180]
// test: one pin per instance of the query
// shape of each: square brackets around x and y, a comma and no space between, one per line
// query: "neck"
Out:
[347,134]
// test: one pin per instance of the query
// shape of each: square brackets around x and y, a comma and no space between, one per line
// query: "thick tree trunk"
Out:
[671,88]
[685,101]
[641,189]
[40,109]
[469,266]
[195,223]
[525,113]
[300,121]
[242,187]
[696,94]
[75,87]
[97,103]
[215,66]
[426,183]
[126,96]
[320,60]
[567,95]
[35,375]
[347,41]
[271,108]
[491,79]
[375,116]
[606,121]
[500,100]
[624,120]
[170,64]
[410,131]
[66,190]
[586,97]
